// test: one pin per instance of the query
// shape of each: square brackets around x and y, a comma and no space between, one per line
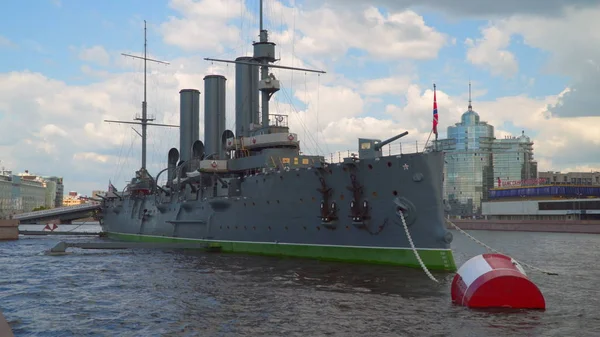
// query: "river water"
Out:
[152,293]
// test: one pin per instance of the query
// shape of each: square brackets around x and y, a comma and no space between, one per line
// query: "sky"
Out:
[533,69]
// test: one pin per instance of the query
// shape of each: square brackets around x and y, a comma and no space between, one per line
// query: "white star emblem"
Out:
[405,166]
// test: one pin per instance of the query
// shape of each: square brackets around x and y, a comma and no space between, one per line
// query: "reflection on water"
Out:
[174,293]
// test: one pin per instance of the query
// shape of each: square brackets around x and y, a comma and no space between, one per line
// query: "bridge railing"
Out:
[55,210]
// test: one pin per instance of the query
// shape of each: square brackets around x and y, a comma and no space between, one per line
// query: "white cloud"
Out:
[489,52]
[390,85]
[90,156]
[95,54]
[477,8]
[572,41]
[55,120]
[333,31]
[61,128]
[560,143]
[89,71]
[51,130]
[203,25]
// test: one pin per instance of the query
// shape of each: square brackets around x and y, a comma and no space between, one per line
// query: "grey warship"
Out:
[254,192]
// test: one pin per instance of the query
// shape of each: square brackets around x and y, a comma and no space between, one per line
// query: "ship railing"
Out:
[185,167]
[190,165]
[393,149]
[278,120]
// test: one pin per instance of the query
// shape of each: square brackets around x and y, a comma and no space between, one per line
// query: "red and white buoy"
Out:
[495,281]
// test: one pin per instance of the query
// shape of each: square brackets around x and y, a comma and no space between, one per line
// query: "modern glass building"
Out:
[513,159]
[475,161]
[468,170]
[60,190]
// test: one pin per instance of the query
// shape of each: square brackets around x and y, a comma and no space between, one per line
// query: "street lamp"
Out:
[579,195]
[523,205]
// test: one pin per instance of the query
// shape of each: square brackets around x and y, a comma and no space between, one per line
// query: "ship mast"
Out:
[144,121]
[264,53]
[264,71]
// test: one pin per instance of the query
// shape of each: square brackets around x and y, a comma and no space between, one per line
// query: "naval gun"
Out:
[371,148]
[378,146]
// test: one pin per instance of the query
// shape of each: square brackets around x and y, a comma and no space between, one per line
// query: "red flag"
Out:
[435,113]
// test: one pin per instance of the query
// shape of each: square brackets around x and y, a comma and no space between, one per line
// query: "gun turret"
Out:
[371,148]
[378,146]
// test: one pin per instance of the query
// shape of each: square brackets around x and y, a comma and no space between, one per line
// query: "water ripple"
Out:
[150,293]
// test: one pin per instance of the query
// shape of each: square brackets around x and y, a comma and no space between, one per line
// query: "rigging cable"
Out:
[306,104]
[317,107]
[309,136]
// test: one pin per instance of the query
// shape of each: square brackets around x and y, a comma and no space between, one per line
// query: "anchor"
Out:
[328,211]
[358,214]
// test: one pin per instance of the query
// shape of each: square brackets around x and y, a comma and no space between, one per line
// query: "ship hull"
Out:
[279,213]
[434,259]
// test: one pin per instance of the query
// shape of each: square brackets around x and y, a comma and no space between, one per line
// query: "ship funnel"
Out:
[246,96]
[173,157]
[214,115]
[189,121]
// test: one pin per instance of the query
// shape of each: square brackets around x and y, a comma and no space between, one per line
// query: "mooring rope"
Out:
[72,229]
[498,252]
[412,245]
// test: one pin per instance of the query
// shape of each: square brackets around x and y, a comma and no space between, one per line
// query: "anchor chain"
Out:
[498,252]
[412,245]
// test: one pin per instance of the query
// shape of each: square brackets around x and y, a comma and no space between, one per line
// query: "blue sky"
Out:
[47,37]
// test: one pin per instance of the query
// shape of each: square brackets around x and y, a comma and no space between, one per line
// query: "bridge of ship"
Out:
[63,214]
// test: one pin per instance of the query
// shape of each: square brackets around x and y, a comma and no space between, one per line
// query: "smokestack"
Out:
[189,121]
[214,115]
[246,96]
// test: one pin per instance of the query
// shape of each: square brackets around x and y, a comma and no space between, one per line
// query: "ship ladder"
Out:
[274,163]
[244,151]
[414,249]
[236,149]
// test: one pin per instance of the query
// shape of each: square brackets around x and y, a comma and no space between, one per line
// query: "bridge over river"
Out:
[63,214]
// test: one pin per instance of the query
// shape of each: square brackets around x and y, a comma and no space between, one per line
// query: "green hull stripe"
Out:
[434,259]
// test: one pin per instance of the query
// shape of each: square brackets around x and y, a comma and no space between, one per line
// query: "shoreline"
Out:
[553,226]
